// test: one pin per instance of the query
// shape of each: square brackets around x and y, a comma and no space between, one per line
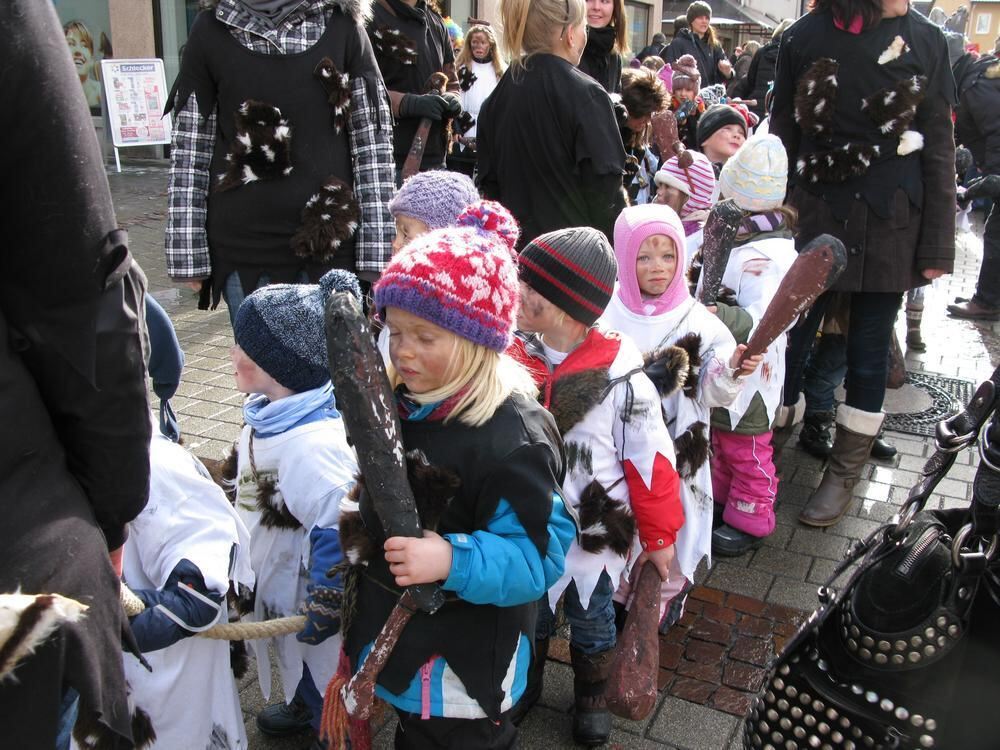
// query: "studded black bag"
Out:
[905,651]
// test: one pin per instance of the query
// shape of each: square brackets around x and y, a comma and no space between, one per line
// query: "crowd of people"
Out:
[525,227]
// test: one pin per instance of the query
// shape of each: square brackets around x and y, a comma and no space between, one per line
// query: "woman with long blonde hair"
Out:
[548,142]
[700,41]
[479,66]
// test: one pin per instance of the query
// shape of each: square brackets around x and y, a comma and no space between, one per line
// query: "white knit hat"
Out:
[697,182]
[756,176]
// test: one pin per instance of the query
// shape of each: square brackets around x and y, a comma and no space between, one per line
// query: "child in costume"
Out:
[181,554]
[722,129]
[643,95]
[653,306]
[743,475]
[487,487]
[294,466]
[685,103]
[690,192]
[620,476]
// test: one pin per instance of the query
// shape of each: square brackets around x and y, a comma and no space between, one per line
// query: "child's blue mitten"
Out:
[322,611]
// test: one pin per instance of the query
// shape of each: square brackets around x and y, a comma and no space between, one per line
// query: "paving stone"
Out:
[699,670]
[670,653]
[719,614]
[683,724]
[730,577]
[731,701]
[756,651]
[557,687]
[780,536]
[793,594]
[713,632]
[785,564]
[745,604]
[758,627]
[813,542]
[854,528]
[743,677]
[699,651]
[706,594]
[807,477]
[692,690]
[872,490]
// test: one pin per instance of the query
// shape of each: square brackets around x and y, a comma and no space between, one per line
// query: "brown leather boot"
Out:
[591,718]
[852,444]
[785,419]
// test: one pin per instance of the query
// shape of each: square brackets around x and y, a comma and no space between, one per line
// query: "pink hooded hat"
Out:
[633,226]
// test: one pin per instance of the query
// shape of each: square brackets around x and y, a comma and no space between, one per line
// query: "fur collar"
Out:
[359,11]
[691,343]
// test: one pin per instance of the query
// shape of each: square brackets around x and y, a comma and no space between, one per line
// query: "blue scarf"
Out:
[270,418]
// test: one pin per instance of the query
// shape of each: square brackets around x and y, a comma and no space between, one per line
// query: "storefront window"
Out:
[87,26]
[175,19]
[638,25]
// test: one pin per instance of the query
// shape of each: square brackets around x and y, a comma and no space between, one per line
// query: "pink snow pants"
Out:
[744,480]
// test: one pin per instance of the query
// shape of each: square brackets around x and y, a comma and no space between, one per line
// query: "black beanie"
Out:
[718,116]
[574,269]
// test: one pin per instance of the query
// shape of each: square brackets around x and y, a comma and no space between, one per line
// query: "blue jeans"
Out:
[824,372]
[988,287]
[592,630]
[68,711]
[869,333]
[311,695]
[234,295]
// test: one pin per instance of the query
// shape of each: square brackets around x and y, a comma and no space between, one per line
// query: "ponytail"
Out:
[529,25]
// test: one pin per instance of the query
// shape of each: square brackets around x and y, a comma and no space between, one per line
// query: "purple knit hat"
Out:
[435,198]
[459,278]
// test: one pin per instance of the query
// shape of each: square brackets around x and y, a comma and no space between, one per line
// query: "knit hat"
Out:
[634,225]
[698,9]
[435,198]
[460,278]
[166,363]
[697,182]
[280,327]
[756,176]
[716,117]
[713,94]
[685,74]
[573,268]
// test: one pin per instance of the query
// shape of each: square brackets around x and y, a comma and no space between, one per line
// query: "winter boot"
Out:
[281,720]
[785,420]
[914,340]
[883,450]
[815,437]
[533,690]
[856,431]
[591,718]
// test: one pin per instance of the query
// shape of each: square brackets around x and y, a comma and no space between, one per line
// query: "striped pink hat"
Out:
[697,182]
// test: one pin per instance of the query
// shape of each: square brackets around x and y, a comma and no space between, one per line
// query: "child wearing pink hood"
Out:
[653,306]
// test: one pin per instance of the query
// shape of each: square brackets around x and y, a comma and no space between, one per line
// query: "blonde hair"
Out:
[752,46]
[487,376]
[465,56]
[780,29]
[528,25]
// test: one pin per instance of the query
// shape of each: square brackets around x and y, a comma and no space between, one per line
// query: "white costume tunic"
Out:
[190,695]
[479,91]
[311,467]
[754,272]
[626,426]
[716,387]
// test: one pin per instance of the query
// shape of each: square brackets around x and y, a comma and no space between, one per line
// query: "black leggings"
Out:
[414,733]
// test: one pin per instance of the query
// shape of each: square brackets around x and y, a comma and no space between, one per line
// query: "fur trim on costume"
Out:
[894,109]
[691,343]
[573,396]
[909,142]
[466,78]
[329,219]
[694,271]
[993,71]
[897,47]
[605,523]
[433,488]
[223,472]
[338,91]
[262,148]
[667,367]
[463,122]
[692,449]
[838,165]
[815,95]
[92,735]
[394,44]
[274,514]
[359,11]
[26,622]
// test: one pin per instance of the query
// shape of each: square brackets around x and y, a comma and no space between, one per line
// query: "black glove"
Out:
[982,187]
[454,104]
[431,106]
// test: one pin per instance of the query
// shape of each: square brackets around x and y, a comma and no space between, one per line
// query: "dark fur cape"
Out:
[261,149]
[691,343]
[692,449]
[815,95]
[329,219]
[838,165]
[338,91]
[433,488]
[668,368]
[604,521]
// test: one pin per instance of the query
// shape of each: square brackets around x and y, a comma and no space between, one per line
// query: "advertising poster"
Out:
[136,94]
[87,27]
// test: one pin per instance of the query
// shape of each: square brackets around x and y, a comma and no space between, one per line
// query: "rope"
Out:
[227,631]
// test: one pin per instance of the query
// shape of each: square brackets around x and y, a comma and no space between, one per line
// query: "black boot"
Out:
[881,449]
[282,720]
[533,690]
[591,718]
[730,542]
[815,437]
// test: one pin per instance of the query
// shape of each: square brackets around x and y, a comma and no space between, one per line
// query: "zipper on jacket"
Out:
[425,689]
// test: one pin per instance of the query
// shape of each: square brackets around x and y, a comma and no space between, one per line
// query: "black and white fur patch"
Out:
[274,514]
[573,396]
[338,91]
[463,123]
[838,165]
[667,367]
[330,218]
[466,78]
[392,43]
[27,621]
[605,523]
[815,96]
[692,449]
[92,735]
[893,109]
[262,147]
[691,343]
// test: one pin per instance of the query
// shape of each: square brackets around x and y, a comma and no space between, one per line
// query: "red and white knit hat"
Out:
[697,182]
[460,278]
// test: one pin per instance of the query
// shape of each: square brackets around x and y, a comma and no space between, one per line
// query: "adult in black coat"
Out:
[977,127]
[761,73]
[74,463]
[699,41]
[655,47]
[607,40]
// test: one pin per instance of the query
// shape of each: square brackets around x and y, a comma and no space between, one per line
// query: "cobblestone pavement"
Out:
[742,610]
